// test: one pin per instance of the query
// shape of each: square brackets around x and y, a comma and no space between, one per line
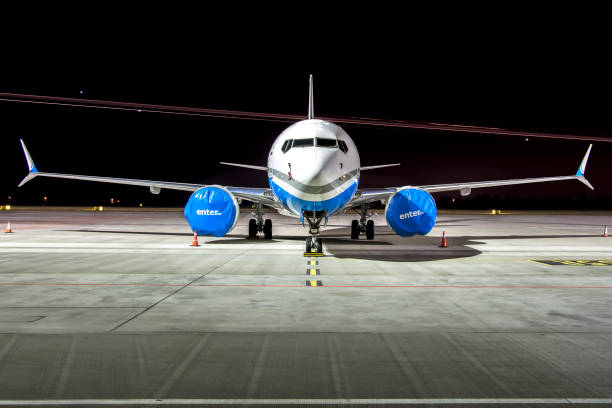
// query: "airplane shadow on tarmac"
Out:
[387,246]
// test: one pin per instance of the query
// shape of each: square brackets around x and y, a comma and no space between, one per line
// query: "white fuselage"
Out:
[313,165]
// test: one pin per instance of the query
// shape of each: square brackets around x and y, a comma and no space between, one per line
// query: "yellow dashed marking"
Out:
[573,262]
[312,271]
[314,283]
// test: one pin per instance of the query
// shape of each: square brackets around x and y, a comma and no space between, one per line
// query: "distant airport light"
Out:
[140,204]
[100,208]
[45,199]
[7,207]
[112,200]
[453,200]
[493,212]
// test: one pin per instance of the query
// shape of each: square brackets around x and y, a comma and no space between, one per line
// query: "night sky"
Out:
[557,79]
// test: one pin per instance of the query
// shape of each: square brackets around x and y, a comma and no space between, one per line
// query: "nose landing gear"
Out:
[314,244]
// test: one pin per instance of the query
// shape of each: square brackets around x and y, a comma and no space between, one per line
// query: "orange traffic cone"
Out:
[8,228]
[605,231]
[195,239]
[443,243]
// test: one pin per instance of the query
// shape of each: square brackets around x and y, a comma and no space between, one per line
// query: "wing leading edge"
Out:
[371,195]
[258,195]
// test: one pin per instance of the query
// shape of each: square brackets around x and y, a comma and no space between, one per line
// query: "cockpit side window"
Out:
[343,146]
[303,142]
[321,142]
[286,145]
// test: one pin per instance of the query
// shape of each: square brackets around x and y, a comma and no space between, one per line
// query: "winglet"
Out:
[31,166]
[582,167]
[310,101]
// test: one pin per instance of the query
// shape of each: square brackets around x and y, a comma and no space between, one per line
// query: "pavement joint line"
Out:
[66,367]
[173,293]
[180,369]
[8,346]
[306,401]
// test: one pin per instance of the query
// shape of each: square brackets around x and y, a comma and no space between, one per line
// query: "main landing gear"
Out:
[361,226]
[314,244]
[258,224]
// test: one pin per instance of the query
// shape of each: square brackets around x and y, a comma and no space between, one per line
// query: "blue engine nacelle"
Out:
[212,210]
[411,212]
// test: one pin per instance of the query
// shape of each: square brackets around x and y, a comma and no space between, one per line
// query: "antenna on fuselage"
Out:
[310,102]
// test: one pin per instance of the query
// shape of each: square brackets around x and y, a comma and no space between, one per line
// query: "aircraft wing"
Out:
[370,195]
[254,194]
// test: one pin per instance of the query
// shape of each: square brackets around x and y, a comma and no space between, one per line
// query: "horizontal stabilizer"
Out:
[248,166]
[380,166]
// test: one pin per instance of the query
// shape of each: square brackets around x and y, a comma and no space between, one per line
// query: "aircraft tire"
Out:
[268,229]
[308,244]
[370,230]
[355,229]
[252,228]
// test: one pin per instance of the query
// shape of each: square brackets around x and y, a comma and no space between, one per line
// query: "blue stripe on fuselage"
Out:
[298,205]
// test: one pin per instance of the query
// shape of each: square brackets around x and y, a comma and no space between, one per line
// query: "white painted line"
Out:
[288,401]
[126,245]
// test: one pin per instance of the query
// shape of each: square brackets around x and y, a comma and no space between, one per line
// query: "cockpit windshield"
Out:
[303,142]
[320,142]
[333,143]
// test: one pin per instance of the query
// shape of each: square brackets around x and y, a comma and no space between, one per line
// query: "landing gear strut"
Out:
[361,226]
[258,225]
[314,244]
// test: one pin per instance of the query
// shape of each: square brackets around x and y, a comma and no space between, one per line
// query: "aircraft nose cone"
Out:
[317,170]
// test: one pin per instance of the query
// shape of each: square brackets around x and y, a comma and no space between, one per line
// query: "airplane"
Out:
[313,173]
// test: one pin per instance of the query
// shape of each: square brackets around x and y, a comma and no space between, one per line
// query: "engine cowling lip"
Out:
[397,191]
[233,199]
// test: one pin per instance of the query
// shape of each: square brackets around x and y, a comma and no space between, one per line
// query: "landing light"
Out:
[493,212]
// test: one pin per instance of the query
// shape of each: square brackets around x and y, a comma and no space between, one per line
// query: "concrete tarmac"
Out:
[116,308]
